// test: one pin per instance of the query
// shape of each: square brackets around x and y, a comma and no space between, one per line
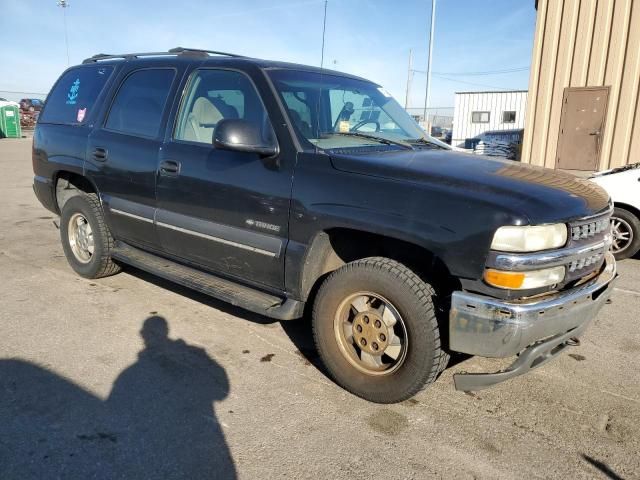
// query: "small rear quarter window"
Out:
[74,96]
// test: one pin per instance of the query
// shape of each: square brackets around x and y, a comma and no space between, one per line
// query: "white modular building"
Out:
[478,112]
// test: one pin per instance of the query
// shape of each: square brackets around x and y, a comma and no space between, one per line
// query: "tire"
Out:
[630,225]
[95,264]
[410,301]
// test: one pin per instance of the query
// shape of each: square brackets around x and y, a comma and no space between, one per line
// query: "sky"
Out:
[369,38]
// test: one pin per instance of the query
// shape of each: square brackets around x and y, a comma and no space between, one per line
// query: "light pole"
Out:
[65,4]
[409,77]
[324,28]
[428,88]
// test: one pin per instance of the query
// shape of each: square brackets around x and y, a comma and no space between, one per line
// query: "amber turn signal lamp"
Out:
[501,279]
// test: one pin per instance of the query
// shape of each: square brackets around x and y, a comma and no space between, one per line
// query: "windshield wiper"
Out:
[425,141]
[385,141]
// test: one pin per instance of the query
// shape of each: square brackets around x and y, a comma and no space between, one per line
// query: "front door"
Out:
[122,154]
[581,128]
[225,210]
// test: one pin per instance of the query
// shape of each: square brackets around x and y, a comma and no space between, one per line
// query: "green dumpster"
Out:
[9,121]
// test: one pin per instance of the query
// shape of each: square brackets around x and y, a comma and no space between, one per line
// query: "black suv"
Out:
[277,187]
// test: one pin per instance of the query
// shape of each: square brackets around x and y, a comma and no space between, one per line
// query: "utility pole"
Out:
[428,88]
[65,4]
[409,78]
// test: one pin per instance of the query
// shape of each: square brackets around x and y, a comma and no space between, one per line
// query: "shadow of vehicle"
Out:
[299,331]
[158,421]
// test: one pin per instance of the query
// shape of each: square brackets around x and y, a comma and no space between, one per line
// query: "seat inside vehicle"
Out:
[202,121]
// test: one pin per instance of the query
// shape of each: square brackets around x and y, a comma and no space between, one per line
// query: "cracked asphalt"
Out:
[134,377]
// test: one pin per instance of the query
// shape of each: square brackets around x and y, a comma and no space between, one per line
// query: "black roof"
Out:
[212,57]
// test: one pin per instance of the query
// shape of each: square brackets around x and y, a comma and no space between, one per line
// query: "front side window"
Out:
[74,95]
[214,95]
[480,117]
[138,105]
[335,112]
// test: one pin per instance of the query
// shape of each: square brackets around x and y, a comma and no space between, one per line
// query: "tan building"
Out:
[583,109]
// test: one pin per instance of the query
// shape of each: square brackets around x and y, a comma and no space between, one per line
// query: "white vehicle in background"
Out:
[623,185]
[4,101]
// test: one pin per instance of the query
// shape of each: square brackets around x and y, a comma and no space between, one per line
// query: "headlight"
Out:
[524,280]
[529,238]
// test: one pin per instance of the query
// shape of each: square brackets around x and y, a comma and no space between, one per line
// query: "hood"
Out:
[542,195]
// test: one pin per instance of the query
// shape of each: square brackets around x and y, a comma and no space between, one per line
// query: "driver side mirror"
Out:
[243,136]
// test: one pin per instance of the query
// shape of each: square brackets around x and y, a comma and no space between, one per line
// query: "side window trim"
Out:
[186,96]
[163,117]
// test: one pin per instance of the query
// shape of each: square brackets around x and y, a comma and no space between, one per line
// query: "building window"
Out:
[480,117]
[508,117]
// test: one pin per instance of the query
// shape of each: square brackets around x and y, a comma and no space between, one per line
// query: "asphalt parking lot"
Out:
[133,377]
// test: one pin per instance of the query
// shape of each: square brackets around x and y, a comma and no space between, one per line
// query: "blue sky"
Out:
[370,38]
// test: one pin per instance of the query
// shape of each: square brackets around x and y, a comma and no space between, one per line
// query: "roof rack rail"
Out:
[199,50]
[174,51]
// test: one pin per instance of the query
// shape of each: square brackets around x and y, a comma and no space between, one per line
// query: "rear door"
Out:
[122,153]
[225,210]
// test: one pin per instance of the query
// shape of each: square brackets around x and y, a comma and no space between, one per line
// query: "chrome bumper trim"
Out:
[489,327]
[553,258]
[533,357]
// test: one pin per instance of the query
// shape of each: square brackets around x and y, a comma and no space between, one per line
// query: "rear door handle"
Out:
[100,154]
[169,167]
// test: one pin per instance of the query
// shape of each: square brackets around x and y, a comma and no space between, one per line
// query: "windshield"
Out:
[332,111]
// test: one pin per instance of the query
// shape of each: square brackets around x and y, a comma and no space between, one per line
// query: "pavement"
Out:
[134,377]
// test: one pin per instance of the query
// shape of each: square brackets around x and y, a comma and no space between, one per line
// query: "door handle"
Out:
[100,154]
[169,167]
[598,135]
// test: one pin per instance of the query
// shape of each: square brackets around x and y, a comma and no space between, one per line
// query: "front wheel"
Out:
[625,229]
[376,331]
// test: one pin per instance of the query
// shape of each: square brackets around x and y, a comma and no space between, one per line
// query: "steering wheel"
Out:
[364,122]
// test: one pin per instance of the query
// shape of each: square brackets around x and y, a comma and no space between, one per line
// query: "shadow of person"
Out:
[158,421]
[164,403]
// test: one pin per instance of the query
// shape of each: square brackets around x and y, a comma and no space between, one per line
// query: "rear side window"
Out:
[74,96]
[138,105]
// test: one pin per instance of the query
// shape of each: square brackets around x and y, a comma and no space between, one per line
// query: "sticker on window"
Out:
[81,113]
[384,92]
[72,96]
[343,126]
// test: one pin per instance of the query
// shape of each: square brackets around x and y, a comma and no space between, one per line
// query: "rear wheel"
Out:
[85,237]
[625,228]
[376,331]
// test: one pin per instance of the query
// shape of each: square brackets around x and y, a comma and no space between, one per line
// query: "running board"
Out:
[225,290]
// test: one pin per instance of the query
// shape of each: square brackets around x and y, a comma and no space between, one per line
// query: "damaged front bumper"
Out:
[536,329]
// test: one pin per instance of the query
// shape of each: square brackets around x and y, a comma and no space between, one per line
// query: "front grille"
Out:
[584,233]
[589,230]
[585,262]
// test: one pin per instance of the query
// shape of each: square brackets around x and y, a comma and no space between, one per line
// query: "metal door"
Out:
[581,128]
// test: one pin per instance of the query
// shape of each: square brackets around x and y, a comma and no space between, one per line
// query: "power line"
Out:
[472,83]
[486,72]
[21,93]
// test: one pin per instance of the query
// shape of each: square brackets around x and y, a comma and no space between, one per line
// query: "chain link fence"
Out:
[16,96]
